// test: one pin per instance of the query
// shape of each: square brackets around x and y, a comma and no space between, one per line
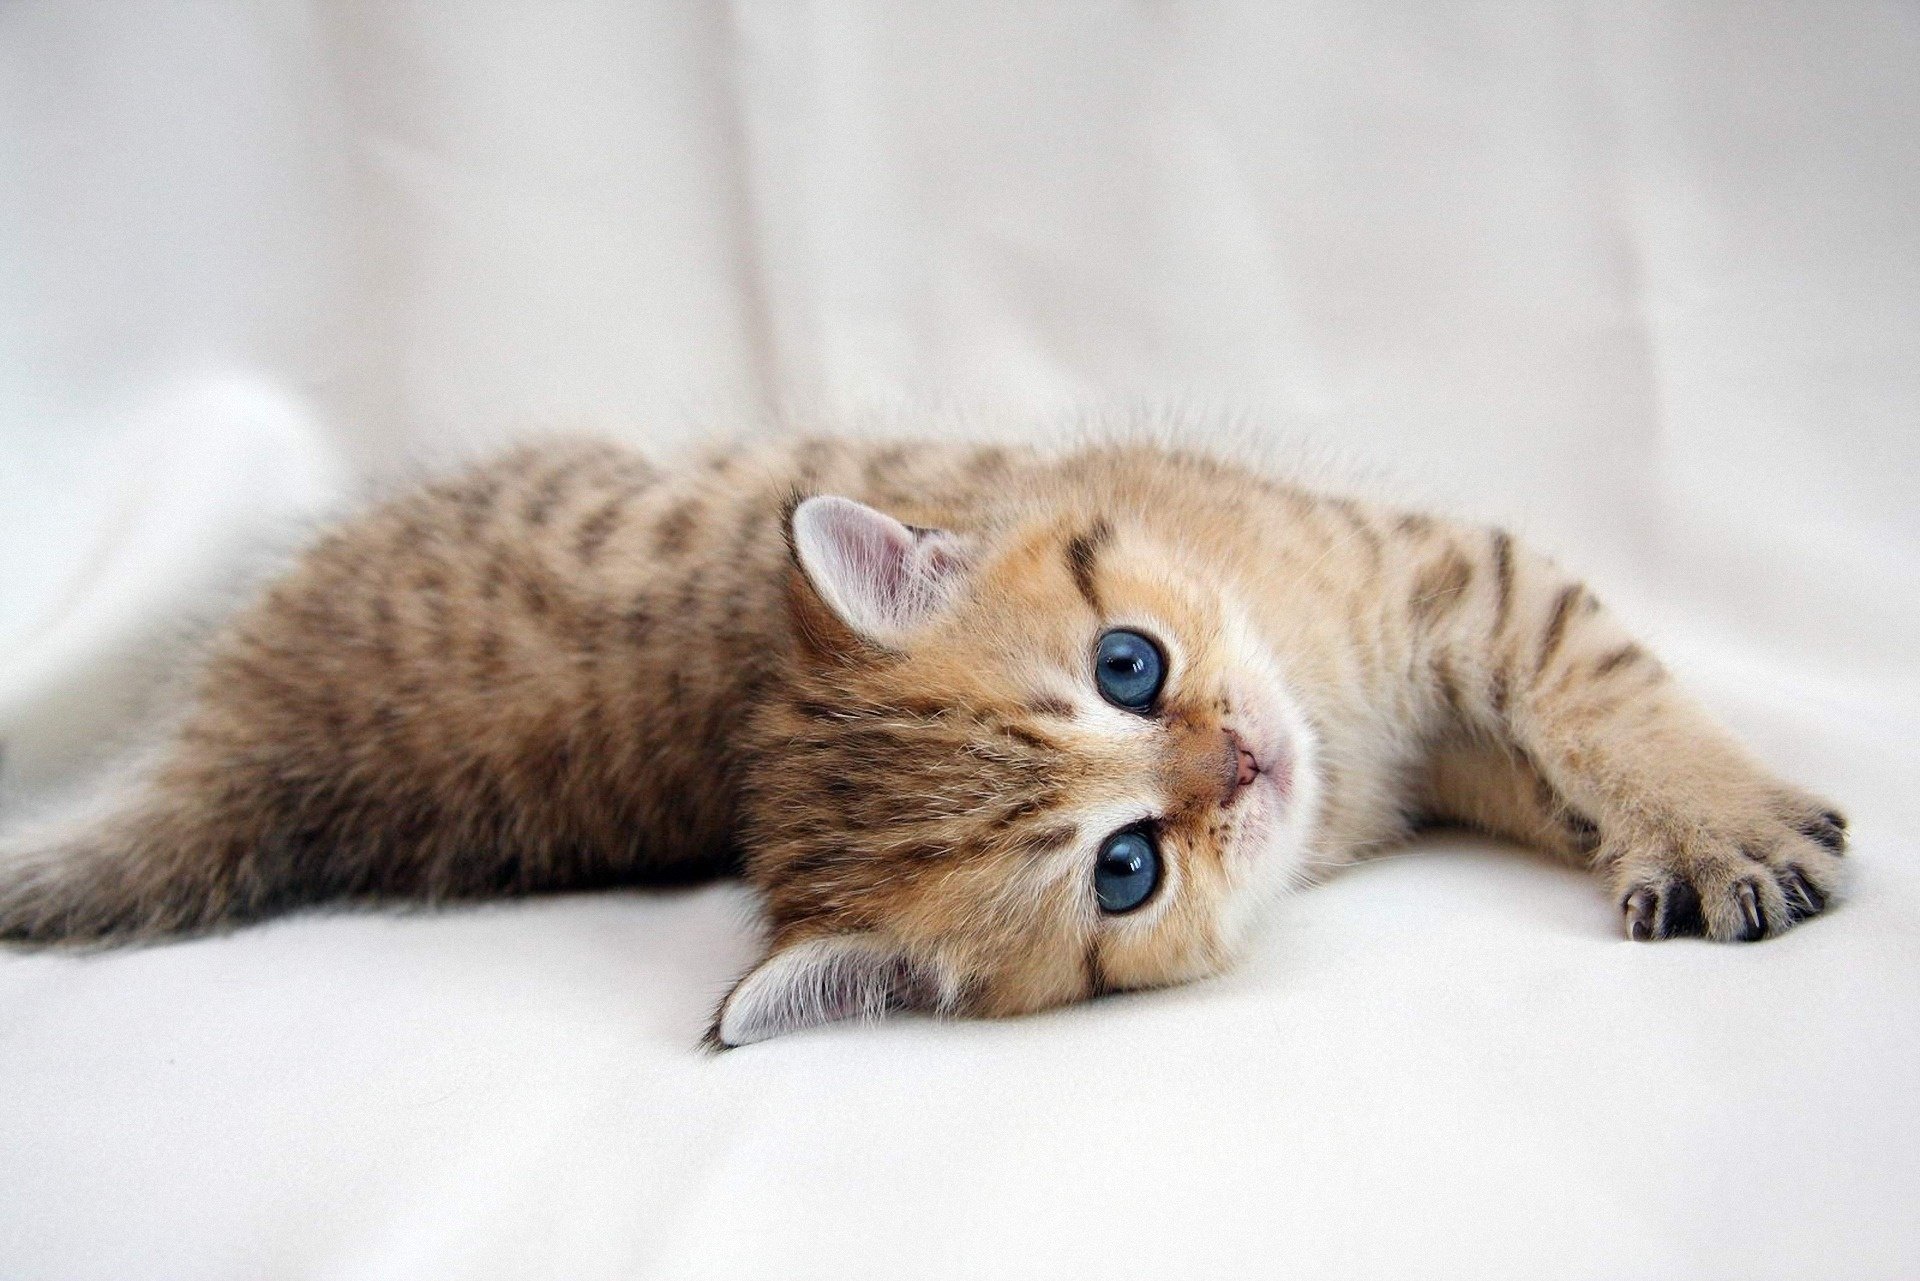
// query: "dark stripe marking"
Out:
[1082,549]
[1029,738]
[1047,840]
[547,496]
[534,595]
[476,506]
[1096,973]
[1584,831]
[592,533]
[494,576]
[1028,807]
[1440,586]
[1449,684]
[674,533]
[1502,579]
[1556,630]
[1627,654]
[487,652]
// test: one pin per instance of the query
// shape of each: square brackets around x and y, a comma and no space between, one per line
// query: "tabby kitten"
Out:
[989,730]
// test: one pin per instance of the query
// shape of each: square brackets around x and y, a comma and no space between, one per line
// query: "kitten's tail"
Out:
[133,867]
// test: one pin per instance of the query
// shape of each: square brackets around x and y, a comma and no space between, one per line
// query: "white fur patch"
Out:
[1273,849]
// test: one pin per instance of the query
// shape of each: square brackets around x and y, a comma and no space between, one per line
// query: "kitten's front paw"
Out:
[1729,881]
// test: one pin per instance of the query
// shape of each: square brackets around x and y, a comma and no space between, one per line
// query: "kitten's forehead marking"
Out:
[1082,550]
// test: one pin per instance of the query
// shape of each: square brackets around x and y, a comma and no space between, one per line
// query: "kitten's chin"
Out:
[1269,853]
[1267,859]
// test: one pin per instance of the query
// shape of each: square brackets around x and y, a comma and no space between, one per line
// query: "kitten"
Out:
[989,730]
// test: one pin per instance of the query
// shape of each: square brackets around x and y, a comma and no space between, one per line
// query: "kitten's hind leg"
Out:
[210,833]
[132,864]
[228,828]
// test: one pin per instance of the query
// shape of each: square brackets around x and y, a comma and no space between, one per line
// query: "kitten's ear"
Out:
[825,980]
[879,577]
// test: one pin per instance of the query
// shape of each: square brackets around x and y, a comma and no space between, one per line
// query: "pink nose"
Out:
[1249,768]
[1241,765]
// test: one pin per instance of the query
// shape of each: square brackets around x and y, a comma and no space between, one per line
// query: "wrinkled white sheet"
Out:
[1642,279]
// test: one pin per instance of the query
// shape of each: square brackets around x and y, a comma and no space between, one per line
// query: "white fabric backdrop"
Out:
[1642,279]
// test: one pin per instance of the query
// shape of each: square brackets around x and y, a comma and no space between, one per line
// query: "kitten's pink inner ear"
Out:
[825,980]
[880,577]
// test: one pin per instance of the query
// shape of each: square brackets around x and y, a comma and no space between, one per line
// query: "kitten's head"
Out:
[1012,771]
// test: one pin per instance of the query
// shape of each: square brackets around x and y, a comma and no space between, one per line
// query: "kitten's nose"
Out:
[1239,767]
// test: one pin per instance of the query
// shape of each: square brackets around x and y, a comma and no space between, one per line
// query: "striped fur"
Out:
[570,668]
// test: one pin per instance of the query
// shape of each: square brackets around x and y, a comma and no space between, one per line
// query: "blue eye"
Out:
[1127,871]
[1129,670]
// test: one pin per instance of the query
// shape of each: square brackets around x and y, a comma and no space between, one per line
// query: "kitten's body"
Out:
[567,668]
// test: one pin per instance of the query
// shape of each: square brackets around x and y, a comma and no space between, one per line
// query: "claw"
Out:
[1804,898]
[1828,829]
[1755,921]
[1641,907]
